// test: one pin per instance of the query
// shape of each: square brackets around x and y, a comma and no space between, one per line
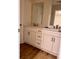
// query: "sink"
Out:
[50,29]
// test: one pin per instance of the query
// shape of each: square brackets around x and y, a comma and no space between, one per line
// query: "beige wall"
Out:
[22,17]
[26,12]
[27,20]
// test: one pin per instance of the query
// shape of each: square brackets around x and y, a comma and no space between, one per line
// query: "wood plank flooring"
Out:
[30,52]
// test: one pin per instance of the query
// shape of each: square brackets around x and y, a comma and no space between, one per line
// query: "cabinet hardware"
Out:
[38,43]
[39,36]
[39,31]
[18,30]
[28,33]
[20,24]
[53,39]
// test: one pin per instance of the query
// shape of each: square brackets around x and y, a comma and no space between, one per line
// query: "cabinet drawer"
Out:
[39,31]
[39,37]
[38,40]
[39,34]
[38,44]
[56,34]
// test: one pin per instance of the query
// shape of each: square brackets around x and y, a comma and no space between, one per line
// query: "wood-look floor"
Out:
[30,52]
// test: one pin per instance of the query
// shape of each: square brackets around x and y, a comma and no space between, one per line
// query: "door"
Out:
[47,42]
[56,45]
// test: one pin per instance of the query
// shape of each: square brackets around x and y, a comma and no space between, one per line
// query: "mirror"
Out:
[37,14]
[57,19]
[55,15]
[52,15]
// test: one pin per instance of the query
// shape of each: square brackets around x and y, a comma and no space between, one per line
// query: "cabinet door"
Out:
[56,45]
[47,42]
[27,36]
[32,37]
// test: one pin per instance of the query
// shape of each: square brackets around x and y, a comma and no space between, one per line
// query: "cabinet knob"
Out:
[38,43]
[28,33]
[53,39]
[39,31]
[20,24]
[39,36]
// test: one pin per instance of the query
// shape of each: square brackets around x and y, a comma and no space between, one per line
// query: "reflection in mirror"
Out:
[37,14]
[55,15]
[52,16]
[57,20]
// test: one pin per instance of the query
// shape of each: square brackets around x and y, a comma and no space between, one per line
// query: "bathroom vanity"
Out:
[45,39]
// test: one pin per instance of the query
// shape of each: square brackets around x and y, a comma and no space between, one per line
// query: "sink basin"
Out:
[49,29]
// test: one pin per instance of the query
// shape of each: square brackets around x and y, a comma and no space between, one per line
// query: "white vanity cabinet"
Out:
[56,45]
[51,42]
[47,43]
[44,39]
[30,36]
[33,36]
[27,36]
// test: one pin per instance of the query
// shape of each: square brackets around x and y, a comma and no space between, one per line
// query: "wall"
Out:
[22,17]
[27,21]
